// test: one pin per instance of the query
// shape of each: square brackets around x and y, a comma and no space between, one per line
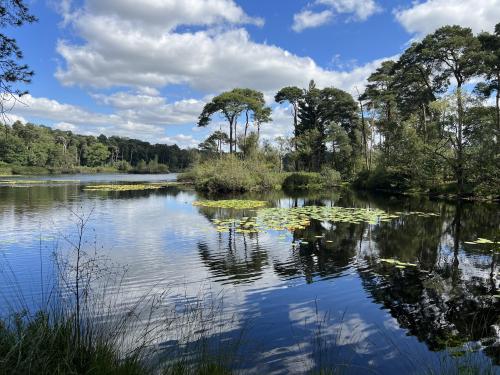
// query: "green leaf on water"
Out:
[239,204]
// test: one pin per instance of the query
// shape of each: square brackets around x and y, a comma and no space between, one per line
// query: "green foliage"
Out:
[29,148]
[426,138]
[13,13]
[122,165]
[382,179]
[151,167]
[231,105]
[249,145]
[304,181]
[232,174]
[96,154]
[330,176]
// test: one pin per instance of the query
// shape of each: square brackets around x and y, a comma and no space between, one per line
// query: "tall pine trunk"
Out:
[231,136]
[460,151]
[497,103]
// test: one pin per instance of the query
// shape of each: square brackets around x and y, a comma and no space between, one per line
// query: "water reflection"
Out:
[282,287]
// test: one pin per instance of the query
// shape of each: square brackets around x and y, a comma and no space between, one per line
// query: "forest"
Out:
[426,122]
[32,148]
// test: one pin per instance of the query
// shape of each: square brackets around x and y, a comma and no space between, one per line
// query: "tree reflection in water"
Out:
[446,301]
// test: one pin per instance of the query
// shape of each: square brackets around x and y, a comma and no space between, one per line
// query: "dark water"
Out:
[300,307]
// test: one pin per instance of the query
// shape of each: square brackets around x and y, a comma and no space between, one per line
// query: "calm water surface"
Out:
[372,315]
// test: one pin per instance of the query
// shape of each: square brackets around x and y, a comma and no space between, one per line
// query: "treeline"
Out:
[30,145]
[424,122]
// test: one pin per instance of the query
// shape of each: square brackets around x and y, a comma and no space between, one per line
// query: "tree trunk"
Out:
[235,136]
[424,113]
[246,129]
[497,103]
[460,155]
[295,123]
[334,162]
[231,136]
[363,133]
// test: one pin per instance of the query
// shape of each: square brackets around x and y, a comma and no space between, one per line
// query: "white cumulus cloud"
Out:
[113,53]
[356,10]
[427,16]
[308,19]
[359,10]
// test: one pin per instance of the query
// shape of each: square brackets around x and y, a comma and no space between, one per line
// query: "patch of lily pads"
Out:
[295,218]
[482,241]
[14,182]
[130,187]
[300,217]
[238,204]
[416,213]
[398,264]
[24,183]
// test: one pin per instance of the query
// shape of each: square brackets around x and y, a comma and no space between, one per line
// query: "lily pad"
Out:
[239,204]
[131,187]
[398,263]
[481,241]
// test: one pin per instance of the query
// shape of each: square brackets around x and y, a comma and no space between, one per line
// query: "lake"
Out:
[328,293]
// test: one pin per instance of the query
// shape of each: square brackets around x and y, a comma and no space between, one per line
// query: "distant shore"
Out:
[17,170]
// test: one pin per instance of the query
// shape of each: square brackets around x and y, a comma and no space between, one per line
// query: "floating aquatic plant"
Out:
[416,213]
[291,219]
[123,187]
[29,183]
[13,182]
[239,204]
[300,217]
[481,241]
[398,263]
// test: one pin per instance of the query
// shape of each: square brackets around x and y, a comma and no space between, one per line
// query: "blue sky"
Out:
[144,69]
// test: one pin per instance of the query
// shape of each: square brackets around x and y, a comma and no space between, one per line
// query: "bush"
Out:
[123,166]
[382,179]
[330,177]
[312,180]
[20,170]
[303,181]
[152,167]
[231,174]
